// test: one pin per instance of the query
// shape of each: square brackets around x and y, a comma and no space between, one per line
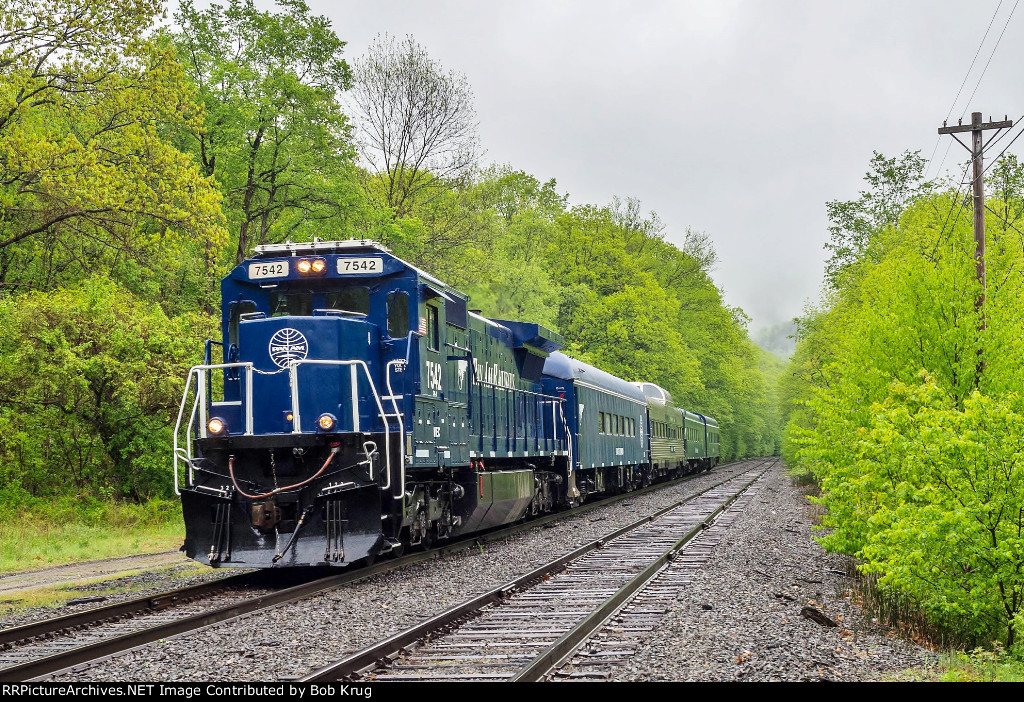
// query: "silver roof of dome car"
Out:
[655,392]
[558,365]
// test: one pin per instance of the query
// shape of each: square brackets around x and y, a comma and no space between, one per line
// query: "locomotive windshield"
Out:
[398,314]
[301,303]
[352,299]
[297,304]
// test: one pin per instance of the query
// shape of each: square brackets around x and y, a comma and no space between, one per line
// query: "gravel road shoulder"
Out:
[69,588]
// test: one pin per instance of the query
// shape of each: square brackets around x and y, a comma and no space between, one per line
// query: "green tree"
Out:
[916,452]
[512,280]
[952,532]
[86,180]
[274,135]
[893,184]
[629,333]
[90,381]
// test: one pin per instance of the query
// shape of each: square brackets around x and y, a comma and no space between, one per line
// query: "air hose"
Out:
[243,493]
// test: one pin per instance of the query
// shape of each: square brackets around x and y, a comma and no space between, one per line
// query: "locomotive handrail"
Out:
[293,379]
[188,436]
[199,407]
[401,425]
[571,474]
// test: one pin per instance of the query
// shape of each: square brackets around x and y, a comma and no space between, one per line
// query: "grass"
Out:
[979,665]
[70,530]
[801,477]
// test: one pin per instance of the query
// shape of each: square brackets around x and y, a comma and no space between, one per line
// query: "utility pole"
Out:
[977,149]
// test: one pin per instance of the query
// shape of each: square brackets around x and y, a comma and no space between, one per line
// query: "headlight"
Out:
[216,426]
[316,266]
[326,421]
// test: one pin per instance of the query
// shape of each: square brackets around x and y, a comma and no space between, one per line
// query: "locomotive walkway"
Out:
[529,629]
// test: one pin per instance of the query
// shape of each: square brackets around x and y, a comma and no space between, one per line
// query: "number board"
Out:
[356,266]
[270,269]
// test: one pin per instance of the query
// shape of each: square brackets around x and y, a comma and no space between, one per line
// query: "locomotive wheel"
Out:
[421,528]
[444,524]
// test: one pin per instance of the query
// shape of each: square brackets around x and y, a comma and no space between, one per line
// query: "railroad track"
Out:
[533,627]
[74,641]
[617,638]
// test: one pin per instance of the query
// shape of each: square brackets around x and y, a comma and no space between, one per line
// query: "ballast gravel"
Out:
[741,619]
[746,620]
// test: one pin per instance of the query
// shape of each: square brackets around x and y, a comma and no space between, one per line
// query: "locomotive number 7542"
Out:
[360,265]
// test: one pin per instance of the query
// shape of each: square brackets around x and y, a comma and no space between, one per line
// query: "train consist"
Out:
[362,409]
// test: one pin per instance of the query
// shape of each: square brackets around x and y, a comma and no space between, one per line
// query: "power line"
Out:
[1007,24]
[996,159]
[1004,219]
[958,198]
[943,162]
[985,69]
[962,84]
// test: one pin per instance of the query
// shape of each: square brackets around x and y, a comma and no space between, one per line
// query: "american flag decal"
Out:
[423,325]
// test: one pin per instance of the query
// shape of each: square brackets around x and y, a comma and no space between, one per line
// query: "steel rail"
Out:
[389,647]
[115,645]
[168,598]
[556,654]
[119,610]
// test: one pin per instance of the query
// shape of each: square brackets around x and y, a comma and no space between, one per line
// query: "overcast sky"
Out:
[739,119]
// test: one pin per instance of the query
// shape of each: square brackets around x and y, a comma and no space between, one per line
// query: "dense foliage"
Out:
[139,164]
[89,181]
[91,379]
[905,399]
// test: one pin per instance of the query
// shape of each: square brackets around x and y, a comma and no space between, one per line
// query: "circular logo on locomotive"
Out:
[287,345]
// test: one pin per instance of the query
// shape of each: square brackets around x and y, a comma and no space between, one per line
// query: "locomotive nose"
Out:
[311,374]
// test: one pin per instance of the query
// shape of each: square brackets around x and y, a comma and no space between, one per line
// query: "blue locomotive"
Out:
[362,409]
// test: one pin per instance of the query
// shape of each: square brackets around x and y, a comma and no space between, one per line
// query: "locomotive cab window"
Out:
[432,329]
[398,315]
[235,312]
[353,299]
